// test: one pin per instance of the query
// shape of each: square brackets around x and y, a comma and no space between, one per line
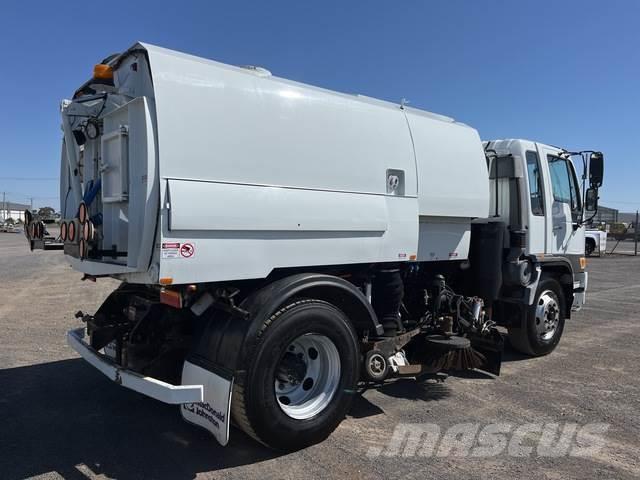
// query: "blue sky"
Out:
[561,72]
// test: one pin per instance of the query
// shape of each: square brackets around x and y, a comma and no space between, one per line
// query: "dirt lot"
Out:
[60,418]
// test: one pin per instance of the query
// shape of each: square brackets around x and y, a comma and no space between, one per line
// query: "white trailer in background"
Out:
[279,243]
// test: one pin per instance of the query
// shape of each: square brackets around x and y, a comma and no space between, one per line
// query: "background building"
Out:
[12,210]
[606,215]
[627,217]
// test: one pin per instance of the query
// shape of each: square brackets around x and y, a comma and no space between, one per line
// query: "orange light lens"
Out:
[171,298]
[166,281]
[102,72]
[583,263]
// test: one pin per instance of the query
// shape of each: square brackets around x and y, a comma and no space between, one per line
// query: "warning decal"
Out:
[178,250]
[187,250]
[170,250]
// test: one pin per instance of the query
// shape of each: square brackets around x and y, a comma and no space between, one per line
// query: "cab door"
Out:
[563,195]
[538,205]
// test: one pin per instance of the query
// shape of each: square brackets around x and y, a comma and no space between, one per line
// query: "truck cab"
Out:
[539,195]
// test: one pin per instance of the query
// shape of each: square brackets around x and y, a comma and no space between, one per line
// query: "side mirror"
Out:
[591,200]
[596,169]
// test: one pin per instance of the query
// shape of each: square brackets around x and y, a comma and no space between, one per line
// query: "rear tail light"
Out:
[88,231]
[63,231]
[82,212]
[71,231]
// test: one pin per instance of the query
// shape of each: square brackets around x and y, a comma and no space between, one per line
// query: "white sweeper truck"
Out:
[280,245]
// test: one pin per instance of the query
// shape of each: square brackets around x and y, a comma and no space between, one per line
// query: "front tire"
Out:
[589,247]
[542,328]
[301,376]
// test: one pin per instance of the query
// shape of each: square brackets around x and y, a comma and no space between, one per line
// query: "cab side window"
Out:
[563,182]
[535,184]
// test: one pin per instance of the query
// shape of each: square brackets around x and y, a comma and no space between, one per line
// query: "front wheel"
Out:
[300,378]
[589,247]
[544,324]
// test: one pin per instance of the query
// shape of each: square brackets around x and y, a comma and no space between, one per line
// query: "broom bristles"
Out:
[455,359]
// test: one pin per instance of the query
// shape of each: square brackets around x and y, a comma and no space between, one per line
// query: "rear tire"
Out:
[301,376]
[542,328]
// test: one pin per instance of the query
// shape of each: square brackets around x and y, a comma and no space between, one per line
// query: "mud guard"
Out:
[214,412]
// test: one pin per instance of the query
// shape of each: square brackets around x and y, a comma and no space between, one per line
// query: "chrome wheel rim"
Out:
[547,315]
[307,376]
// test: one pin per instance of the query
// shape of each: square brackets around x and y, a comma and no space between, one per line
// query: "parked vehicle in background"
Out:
[595,241]
[9,228]
[279,243]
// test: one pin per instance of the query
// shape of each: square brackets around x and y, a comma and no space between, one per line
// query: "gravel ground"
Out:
[59,418]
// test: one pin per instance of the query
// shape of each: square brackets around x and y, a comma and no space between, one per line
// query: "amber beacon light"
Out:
[102,72]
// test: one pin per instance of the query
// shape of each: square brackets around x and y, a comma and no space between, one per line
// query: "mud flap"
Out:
[212,414]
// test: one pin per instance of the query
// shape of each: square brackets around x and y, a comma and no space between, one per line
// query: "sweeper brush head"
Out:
[452,353]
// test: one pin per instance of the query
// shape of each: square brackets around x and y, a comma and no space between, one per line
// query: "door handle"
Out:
[557,227]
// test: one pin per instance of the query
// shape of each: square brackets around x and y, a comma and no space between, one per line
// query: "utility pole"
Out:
[4,206]
[635,234]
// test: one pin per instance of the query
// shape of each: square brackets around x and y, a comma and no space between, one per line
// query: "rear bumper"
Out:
[151,387]
[45,244]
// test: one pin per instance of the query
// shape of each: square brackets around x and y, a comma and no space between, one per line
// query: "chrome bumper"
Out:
[151,387]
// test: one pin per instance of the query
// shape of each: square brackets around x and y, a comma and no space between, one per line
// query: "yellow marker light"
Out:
[166,281]
[583,263]
[102,72]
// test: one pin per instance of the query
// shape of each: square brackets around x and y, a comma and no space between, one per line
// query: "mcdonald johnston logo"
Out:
[489,440]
